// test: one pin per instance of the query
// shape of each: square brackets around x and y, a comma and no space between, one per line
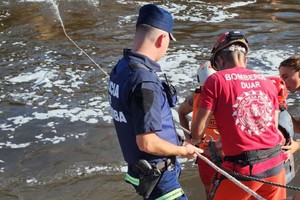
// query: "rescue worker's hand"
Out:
[290,149]
[218,148]
[191,151]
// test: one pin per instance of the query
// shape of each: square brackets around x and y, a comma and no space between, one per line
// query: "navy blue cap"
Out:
[154,16]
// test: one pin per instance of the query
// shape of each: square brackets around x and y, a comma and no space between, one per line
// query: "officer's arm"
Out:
[152,144]
[200,123]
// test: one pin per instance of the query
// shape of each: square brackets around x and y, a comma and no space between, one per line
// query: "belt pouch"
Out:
[148,175]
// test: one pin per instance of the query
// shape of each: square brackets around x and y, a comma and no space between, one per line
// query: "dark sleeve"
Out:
[146,108]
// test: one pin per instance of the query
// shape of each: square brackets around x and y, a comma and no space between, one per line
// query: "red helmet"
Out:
[225,40]
[282,90]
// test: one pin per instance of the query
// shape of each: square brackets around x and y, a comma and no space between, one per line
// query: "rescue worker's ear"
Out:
[219,62]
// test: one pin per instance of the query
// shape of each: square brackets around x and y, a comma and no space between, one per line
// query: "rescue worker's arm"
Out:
[292,148]
[296,124]
[152,144]
[294,145]
[185,108]
[200,123]
[283,141]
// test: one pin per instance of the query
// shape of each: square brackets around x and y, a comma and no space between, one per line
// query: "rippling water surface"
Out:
[57,139]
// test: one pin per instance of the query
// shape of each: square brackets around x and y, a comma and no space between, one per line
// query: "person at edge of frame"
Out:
[212,137]
[289,70]
[285,124]
[141,110]
[245,106]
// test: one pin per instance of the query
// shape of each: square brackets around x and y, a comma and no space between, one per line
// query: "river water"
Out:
[57,140]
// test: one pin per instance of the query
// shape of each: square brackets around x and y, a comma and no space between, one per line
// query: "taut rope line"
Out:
[63,27]
[234,180]
[236,174]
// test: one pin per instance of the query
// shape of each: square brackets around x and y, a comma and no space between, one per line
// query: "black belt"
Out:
[254,156]
[166,164]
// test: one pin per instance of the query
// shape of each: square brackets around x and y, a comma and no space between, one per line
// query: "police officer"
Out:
[140,105]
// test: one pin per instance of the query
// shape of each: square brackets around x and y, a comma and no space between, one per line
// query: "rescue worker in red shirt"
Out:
[206,172]
[245,106]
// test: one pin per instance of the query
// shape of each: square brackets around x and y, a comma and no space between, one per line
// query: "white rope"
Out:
[234,180]
[63,27]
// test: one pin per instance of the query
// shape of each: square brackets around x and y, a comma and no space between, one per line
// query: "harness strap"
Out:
[254,156]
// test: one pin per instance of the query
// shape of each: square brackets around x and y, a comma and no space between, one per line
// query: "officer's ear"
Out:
[160,40]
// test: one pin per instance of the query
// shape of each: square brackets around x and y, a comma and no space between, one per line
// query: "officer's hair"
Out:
[144,28]
[144,31]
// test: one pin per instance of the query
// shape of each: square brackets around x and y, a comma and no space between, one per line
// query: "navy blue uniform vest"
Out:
[129,119]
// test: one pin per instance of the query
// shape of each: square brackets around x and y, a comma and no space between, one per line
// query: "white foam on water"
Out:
[268,58]
[3,15]
[31,180]
[197,13]
[239,4]
[11,145]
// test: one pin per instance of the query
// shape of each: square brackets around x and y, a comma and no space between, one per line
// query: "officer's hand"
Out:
[191,151]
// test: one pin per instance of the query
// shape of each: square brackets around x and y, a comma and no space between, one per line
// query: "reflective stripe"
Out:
[132,180]
[172,195]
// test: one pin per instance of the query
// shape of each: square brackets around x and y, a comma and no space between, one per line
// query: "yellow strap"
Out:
[172,195]
[132,180]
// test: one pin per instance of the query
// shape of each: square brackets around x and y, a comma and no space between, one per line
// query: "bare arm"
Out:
[200,123]
[152,144]
[184,109]
[296,124]
[283,141]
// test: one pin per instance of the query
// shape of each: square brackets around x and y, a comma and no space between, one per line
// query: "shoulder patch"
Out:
[144,99]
